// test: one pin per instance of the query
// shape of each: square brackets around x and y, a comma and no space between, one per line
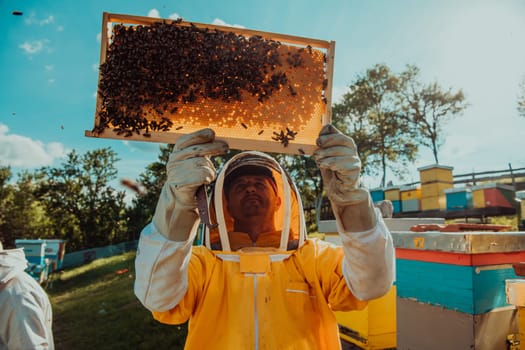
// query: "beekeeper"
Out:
[25,311]
[257,282]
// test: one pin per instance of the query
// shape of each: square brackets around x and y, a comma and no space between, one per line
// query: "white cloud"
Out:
[50,19]
[154,13]
[220,22]
[22,151]
[32,19]
[174,16]
[99,37]
[34,47]
[49,67]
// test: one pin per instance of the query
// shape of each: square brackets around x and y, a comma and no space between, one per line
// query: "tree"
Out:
[22,215]
[6,202]
[83,207]
[429,108]
[143,206]
[370,112]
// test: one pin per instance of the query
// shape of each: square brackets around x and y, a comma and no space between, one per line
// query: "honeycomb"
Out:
[173,77]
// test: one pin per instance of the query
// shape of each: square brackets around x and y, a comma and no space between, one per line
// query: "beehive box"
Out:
[451,289]
[34,250]
[410,205]
[436,172]
[410,192]
[410,198]
[392,193]
[493,195]
[377,194]
[159,79]
[55,251]
[458,198]
[435,188]
[433,203]
[373,327]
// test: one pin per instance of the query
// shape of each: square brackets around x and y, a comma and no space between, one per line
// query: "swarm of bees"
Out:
[284,137]
[166,63]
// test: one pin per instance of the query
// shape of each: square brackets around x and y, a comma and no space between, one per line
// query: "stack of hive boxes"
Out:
[435,179]
[451,289]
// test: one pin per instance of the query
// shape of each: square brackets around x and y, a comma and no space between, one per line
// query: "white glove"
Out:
[340,167]
[189,167]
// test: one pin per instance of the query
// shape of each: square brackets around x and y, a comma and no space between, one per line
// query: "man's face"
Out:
[252,196]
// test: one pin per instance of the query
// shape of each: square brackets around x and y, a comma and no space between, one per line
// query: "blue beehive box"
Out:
[55,250]
[34,249]
[397,206]
[458,198]
[377,194]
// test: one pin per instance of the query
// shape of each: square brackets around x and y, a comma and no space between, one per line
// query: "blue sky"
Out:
[49,59]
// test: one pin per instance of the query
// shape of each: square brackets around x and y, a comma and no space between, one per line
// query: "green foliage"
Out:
[82,206]
[22,215]
[143,206]
[94,308]
[6,203]
[371,113]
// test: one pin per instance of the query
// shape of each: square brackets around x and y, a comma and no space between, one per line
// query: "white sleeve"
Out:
[26,316]
[369,263]
[161,269]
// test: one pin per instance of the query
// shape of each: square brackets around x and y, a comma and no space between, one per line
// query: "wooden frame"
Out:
[237,138]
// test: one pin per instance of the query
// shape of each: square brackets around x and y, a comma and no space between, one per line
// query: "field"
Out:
[94,308]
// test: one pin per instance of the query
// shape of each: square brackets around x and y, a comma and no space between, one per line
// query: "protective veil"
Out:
[280,294]
[26,315]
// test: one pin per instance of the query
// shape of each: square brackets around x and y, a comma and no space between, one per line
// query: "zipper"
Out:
[255,312]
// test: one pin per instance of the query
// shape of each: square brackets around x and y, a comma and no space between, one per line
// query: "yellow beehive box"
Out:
[478,197]
[410,192]
[434,203]
[373,327]
[392,193]
[436,188]
[436,172]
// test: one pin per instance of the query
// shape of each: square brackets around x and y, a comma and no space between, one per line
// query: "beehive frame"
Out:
[254,128]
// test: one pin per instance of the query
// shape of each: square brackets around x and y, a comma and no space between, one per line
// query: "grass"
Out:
[94,308]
